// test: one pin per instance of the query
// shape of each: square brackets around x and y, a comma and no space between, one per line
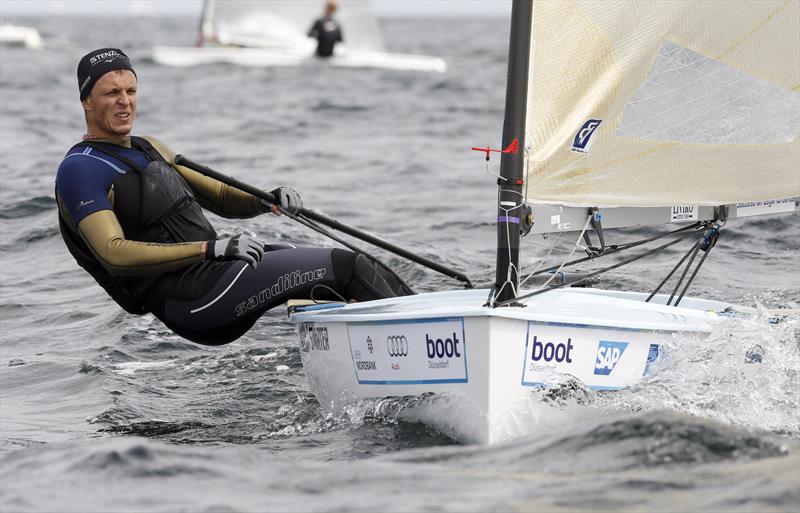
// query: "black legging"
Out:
[215,302]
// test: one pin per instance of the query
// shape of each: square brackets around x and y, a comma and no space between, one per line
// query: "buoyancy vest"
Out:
[154,204]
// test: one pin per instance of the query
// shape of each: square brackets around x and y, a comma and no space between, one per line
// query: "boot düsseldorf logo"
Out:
[425,351]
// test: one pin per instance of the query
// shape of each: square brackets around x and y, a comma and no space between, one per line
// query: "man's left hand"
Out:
[288,199]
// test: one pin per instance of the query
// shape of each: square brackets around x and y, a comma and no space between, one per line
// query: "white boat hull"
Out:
[263,57]
[482,363]
[17,36]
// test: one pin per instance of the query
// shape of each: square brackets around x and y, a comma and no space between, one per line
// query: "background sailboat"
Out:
[616,115]
[273,33]
[19,36]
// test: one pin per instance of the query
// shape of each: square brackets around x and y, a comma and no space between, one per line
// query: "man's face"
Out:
[111,106]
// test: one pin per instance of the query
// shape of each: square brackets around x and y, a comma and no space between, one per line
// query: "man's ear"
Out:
[86,105]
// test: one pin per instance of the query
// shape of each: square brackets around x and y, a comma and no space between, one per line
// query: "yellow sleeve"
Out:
[211,194]
[121,257]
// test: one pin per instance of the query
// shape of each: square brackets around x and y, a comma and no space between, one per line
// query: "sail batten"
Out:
[652,104]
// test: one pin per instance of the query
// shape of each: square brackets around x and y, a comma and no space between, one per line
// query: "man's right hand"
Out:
[240,247]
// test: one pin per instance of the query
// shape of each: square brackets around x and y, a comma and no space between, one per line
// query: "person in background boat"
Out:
[134,220]
[327,31]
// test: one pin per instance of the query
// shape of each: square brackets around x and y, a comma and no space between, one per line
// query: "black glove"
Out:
[288,199]
[240,247]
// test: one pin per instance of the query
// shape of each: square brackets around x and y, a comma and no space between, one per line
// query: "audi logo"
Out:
[397,345]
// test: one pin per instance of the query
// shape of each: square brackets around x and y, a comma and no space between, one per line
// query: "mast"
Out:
[206,32]
[511,182]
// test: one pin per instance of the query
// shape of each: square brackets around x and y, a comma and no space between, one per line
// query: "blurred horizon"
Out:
[192,8]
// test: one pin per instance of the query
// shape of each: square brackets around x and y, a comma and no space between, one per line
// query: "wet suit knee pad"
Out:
[363,280]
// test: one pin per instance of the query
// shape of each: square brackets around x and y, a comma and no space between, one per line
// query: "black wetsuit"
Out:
[217,302]
[156,264]
[328,32]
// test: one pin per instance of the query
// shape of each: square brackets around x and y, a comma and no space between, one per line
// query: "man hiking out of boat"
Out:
[133,220]
[327,31]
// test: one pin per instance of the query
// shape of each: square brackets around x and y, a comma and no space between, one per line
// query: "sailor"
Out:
[134,220]
[327,31]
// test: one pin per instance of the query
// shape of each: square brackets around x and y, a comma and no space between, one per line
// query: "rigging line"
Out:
[622,247]
[542,260]
[513,270]
[525,186]
[555,242]
[577,244]
[494,174]
[321,286]
[685,270]
[595,273]
[511,267]
[707,249]
[697,225]
[317,228]
[691,278]
[675,268]
[314,226]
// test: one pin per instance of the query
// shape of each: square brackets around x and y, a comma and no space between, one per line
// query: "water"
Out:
[102,411]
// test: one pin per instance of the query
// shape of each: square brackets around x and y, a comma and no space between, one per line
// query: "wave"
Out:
[619,442]
[719,377]
[30,236]
[29,207]
[330,106]
[532,474]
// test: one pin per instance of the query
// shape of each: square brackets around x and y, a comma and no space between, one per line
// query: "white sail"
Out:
[285,23]
[663,103]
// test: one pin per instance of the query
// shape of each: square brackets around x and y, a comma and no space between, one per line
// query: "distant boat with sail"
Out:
[617,114]
[273,33]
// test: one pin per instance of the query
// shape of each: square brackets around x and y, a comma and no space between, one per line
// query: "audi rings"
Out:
[397,345]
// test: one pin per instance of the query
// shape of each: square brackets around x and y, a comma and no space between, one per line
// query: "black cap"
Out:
[95,64]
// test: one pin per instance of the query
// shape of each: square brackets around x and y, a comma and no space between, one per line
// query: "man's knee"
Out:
[363,279]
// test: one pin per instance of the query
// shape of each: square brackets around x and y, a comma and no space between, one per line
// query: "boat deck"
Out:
[569,306]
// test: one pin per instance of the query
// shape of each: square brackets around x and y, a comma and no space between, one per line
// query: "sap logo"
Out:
[551,352]
[608,355]
[584,135]
[439,348]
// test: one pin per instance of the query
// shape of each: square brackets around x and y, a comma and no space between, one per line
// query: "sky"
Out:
[421,8]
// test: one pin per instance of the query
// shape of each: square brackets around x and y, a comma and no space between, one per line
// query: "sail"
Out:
[285,23]
[663,103]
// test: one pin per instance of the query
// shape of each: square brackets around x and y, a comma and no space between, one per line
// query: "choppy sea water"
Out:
[102,411]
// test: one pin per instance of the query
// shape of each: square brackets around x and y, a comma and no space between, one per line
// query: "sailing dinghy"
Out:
[617,114]
[273,33]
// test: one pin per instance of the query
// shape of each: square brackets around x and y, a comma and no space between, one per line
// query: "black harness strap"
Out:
[127,189]
[143,145]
